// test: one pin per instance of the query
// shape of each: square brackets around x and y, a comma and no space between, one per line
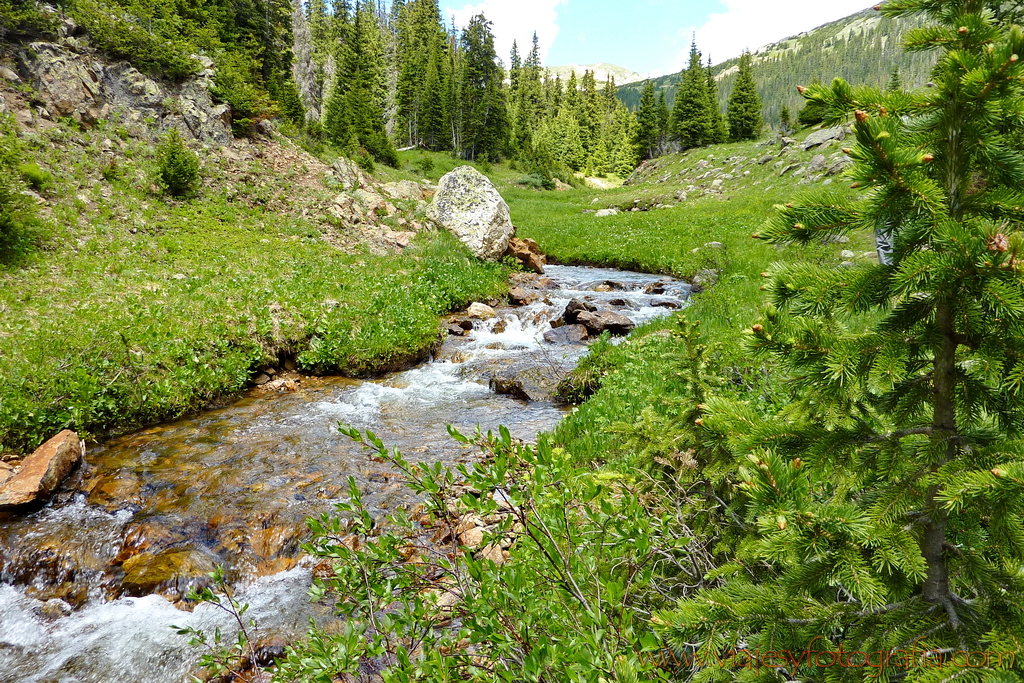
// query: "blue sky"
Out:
[652,37]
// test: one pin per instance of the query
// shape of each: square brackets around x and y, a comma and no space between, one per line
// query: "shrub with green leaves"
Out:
[588,559]
[38,179]
[177,166]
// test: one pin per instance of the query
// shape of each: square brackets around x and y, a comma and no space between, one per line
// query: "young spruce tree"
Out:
[885,504]
[744,113]
[648,130]
[693,118]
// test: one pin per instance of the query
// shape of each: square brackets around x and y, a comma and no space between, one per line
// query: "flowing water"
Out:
[88,584]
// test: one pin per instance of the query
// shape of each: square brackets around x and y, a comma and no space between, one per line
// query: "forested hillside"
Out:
[862,49]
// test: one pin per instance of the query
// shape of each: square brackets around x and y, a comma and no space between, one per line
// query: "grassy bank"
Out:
[138,308]
[645,386]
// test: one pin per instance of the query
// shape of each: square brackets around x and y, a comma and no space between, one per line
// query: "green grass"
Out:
[141,309]
[641,386]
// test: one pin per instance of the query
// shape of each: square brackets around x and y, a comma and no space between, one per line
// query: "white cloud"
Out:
[515,21]
[755,23]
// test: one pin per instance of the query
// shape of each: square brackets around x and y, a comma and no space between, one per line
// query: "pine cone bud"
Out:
[797,464]
[883,112]
[789,205]
[765,274]
[998,473]
[758,329]
[699,422]
[763,288]
[801,89]
[963,30]
[756,236]
[999,242]
[854,186]
[798,226]
[1013,59]
[847,151]
[701,406]
[928,158]
[782,522]
[877,8]
[862,116]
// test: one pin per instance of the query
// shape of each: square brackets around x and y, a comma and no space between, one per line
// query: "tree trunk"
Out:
[936,585]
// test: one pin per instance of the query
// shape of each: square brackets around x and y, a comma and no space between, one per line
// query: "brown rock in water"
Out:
[566,334]
[606,320]
[574,308]
[42,472]
[509,385]
[519,297]
[175,569]
[6,472]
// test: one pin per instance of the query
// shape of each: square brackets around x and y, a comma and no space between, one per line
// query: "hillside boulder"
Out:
[348,175]
[469,206]
[820,137]
[42,472]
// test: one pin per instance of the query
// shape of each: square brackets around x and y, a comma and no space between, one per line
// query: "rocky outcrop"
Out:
[469,206]
[76,85]
[42,472]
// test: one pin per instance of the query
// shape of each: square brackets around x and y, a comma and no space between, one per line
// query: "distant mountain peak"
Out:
[601,72]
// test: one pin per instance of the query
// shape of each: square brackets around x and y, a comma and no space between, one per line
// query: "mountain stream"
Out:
[88,584]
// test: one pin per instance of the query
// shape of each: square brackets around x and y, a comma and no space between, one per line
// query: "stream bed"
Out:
[88,584]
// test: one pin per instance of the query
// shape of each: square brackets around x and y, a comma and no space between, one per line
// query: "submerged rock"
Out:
[509,384]
[42,472]
[469,206]
[173,569]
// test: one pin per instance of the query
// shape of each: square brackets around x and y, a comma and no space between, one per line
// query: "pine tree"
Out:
[895,81]
[664,116]
[785,121]
[482,96]
[720,127]
[744,111]
[354,116]
[647,129]
[693,123]
[885,504]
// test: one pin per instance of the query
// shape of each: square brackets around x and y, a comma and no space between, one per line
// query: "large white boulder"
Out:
[468,206]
